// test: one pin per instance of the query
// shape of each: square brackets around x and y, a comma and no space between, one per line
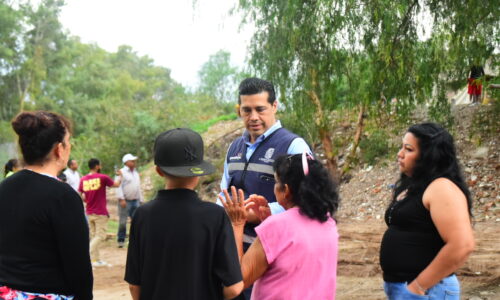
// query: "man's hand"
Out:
[123,203]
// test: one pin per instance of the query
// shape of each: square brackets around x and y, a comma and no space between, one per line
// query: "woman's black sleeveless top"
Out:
[410,243]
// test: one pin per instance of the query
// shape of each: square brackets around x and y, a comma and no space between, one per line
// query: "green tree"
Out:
[118,102]
[218,78]
[327,54]
[10,28]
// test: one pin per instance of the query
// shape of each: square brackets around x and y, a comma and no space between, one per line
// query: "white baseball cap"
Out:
[128,157]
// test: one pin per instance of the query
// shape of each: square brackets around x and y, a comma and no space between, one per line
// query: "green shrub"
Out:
[203,126]
[440,110]
[375,146]
[7,135]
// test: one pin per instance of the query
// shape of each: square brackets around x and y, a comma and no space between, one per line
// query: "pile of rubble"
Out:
[367,194]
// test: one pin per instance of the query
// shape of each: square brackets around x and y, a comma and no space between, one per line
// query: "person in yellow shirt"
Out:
[12,166]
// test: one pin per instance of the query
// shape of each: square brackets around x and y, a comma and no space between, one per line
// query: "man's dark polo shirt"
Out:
[181,248]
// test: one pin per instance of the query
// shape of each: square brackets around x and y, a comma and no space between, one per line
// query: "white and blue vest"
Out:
[256,176]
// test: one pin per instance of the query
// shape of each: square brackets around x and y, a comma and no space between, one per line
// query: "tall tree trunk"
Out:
[21,93]
[357,137]
[324,133]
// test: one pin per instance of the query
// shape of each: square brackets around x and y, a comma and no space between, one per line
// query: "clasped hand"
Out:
[239,210]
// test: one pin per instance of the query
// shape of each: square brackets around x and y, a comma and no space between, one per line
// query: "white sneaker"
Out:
[100,263]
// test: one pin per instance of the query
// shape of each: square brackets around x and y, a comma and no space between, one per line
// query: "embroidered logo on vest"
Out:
[267,156]
[237,157]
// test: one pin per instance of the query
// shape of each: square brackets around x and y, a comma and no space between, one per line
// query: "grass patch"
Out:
[113,227]
[203,126]
[374,147]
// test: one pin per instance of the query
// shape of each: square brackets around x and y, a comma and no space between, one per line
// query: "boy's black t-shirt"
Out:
[181,248]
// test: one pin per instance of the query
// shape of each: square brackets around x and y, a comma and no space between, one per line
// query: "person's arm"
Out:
[71,238]
[118,181]
[224,182]
[141,196]
[135,291]
[253,262]
[298,146]
[232,291]
[449,212]
[119,192]
[226,265]
[80,190]
[133,266]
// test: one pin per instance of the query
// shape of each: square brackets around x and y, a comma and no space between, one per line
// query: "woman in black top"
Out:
[430,234]
[44,244]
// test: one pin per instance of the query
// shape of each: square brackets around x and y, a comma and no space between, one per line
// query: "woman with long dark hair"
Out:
[295,253]
[429,233]
[44,238]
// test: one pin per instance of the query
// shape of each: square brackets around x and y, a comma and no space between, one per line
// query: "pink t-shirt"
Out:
[93,186]
[302,257]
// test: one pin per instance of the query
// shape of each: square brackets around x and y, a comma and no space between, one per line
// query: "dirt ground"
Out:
[359,275]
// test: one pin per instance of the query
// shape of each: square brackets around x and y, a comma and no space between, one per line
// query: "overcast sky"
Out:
[177,34]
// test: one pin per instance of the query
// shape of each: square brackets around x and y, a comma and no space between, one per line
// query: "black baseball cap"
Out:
[179,152]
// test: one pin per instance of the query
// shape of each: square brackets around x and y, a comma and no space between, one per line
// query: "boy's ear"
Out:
[159,171]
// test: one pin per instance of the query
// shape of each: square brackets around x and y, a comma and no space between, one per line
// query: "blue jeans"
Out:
[123,214]
[446,289]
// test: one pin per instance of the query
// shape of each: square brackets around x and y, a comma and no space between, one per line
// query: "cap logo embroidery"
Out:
[196,170]
[189,154]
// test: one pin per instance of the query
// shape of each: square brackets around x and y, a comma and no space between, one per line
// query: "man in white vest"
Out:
[72,175]
[129,195]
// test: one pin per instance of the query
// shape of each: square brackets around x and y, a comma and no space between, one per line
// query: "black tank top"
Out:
[410,243]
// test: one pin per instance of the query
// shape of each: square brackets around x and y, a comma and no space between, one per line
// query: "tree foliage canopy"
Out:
[117,101]
[328,54]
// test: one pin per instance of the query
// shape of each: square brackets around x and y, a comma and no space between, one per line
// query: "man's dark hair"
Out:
[93,162]
[70,162]
[253,85]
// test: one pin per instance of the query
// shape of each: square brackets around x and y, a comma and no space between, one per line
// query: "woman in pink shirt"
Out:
[295,253]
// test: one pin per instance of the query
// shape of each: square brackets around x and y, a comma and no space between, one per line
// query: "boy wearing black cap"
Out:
[181,247]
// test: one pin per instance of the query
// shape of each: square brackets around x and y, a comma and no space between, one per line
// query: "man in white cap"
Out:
[129,195]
